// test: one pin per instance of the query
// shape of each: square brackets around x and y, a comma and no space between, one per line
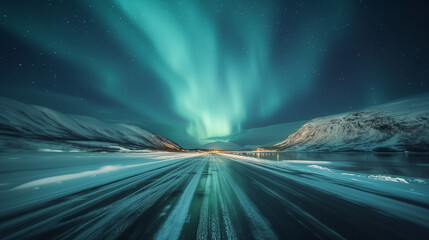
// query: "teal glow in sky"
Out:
[212,83]
[217,74]
[195,71]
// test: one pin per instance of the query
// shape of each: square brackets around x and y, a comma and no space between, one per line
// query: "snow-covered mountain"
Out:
[28,126]
[402,125]
[219,145]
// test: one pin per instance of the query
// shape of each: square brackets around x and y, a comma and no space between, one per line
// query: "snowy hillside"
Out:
[34,127]
[398,126]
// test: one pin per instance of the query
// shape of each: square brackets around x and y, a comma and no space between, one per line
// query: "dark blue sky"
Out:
[192,70]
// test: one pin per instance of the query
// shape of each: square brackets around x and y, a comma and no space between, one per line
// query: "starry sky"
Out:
[195,71]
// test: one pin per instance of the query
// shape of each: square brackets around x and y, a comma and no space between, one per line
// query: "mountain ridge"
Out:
[29,124]
[402,125]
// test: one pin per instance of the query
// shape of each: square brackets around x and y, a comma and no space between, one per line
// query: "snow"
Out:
[66,177]
[397,126]
[171,195]
[389,178]
[173,225]
[307,161]
[337,181]
[24,126]
[259,225]
[319,167]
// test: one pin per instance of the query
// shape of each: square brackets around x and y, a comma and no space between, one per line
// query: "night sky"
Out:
[196,70]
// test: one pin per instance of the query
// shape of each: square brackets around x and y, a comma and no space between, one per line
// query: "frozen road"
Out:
[202,196]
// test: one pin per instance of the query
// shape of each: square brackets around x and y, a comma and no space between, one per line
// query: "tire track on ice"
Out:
[172,227]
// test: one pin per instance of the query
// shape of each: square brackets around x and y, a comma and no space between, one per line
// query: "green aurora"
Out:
[193,71]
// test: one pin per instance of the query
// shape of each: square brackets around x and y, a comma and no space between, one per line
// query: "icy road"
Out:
[202,196]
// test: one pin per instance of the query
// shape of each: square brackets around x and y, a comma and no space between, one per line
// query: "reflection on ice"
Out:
[402,164]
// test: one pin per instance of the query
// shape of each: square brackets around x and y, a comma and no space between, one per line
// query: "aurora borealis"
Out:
[197,70]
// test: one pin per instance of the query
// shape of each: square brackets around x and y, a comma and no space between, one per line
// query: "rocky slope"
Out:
[402,125]
[35,127]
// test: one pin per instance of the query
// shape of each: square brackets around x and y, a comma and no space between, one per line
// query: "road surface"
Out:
[203,196]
